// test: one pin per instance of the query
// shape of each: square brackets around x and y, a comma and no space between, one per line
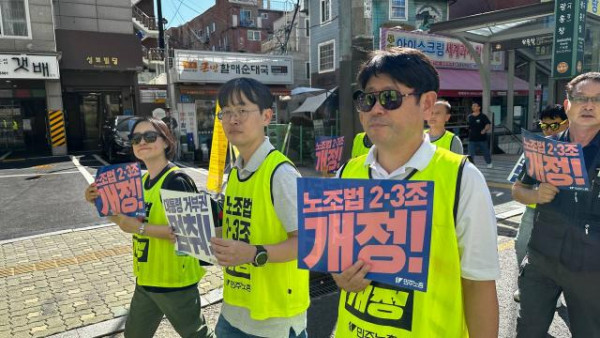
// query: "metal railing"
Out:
[144,19]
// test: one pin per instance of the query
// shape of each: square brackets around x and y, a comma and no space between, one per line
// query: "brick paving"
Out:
[61,282]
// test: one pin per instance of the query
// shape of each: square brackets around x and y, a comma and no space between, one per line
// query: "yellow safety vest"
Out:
[445,141]
[275,289]
[388,311]
[155,262]
[358,146]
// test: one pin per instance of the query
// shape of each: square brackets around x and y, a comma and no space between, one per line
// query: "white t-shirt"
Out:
[475,222]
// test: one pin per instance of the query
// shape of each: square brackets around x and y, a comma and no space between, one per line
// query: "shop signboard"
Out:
[569,38]
[444,52]
[592,7]
[23,66]
[215,67]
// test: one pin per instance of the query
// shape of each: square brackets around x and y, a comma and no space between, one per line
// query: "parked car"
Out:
[115,137]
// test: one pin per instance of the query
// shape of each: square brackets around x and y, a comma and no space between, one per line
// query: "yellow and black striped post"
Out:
[58,135]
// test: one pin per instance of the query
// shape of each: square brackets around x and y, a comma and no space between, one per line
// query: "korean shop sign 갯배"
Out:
[23,66]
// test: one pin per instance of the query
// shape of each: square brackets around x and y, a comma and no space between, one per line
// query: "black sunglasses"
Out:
[553,126]
[388,99]
[149,136]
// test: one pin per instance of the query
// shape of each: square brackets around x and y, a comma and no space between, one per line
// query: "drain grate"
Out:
[322,284]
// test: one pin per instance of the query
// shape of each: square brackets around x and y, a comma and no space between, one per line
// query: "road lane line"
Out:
[100,159]
[39,174]
[5,155]
[506,245]
[200,170]
[88,177]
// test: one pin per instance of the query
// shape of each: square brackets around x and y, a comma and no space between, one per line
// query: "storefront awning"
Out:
[311,104]
[467,83]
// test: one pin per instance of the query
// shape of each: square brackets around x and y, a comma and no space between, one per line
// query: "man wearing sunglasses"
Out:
[563,253]
[399,91]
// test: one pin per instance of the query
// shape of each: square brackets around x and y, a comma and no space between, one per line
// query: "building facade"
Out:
[228,26]
[29,75]
[101,57]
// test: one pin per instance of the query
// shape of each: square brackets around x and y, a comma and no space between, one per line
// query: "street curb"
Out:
[60,232]
[117,324]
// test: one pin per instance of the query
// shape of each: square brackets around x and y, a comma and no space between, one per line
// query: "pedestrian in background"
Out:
[437,132]
[479,125]
[264,292]
[166,283]
[553,120]
[564,248]
[399,87]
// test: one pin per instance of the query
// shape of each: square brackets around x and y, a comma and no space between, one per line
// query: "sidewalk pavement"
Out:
[78,283]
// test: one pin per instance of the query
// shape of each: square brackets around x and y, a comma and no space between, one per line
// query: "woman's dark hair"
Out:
[256,92]
[407,66]
[164,132]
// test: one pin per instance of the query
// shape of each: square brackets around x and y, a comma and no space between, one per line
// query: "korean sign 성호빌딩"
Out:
[120,189]
[190,216]
[385,223]
[328,151]
[558,163]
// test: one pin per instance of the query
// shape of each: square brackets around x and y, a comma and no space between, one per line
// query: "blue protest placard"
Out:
[190,216]
[328,151]
[558,163]
[120,189]
[386,223]
[516,170]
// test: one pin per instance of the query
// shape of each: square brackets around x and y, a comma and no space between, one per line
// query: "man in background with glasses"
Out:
[399,91]
[563,254]
[264,292]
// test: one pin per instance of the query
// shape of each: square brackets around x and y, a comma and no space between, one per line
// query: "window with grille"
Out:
[398,10]
[326,56]
[254,35]
[14,18]
[325,10]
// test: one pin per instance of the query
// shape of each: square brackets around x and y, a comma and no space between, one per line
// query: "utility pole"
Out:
[171,101]
[288,29]
[346,107]
[161,30]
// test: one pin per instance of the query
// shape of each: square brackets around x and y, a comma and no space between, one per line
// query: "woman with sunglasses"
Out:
[166,283]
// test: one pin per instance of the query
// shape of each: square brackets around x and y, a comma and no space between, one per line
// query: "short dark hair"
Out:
[553,111]
[164,132]
[407,66]
[593,76]
[256,92]
[478,101]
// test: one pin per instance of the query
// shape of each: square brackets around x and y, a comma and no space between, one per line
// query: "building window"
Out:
[246,18]
[325,10]
[264,15]
[326,56]
[14,18]
[398,10]
[214,27]
[307,70]
[307,26]
[254,35]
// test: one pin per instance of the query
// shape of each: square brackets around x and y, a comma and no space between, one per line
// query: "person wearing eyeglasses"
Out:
[563,253]
[479,125]
[166,282]
[553,120]
[437,132]
[399,91]
[264,292]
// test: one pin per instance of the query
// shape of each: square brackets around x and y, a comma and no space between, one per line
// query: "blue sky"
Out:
[188,9]
[178,12]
